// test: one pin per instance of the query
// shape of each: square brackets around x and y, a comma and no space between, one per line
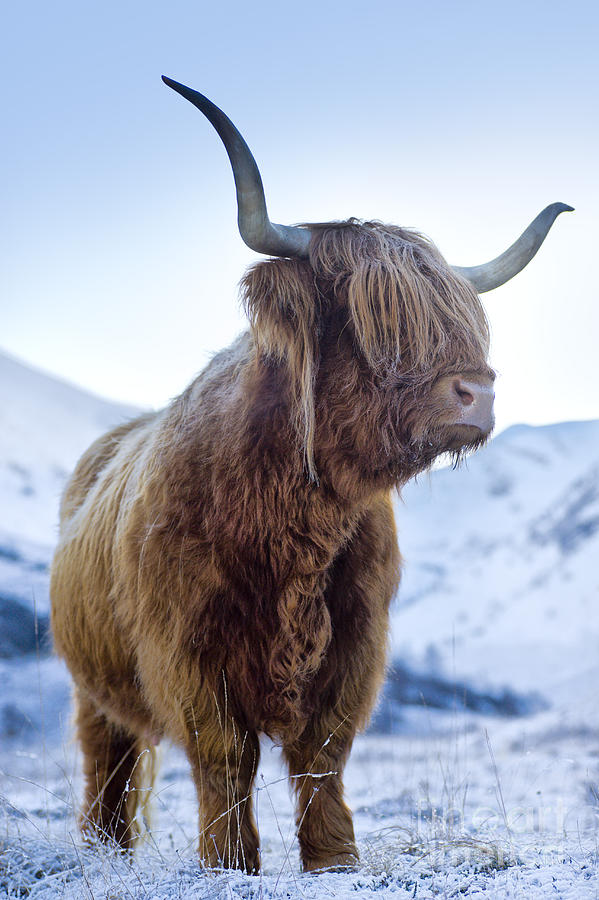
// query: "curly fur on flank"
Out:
[225,565]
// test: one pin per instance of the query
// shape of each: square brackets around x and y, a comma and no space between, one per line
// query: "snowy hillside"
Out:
[501,561]
[45,425]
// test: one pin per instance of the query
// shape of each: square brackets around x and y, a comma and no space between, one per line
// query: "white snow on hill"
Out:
[501,557]
[45,425]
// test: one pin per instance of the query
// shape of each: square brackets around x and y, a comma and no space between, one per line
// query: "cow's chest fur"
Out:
[272,627]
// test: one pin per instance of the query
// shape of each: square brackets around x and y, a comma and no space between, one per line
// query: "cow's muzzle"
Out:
[466,400]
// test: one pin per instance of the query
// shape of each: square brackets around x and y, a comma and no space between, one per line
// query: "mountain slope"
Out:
[45,425]
[501,577]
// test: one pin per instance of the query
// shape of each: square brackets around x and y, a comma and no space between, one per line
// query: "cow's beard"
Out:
[459,438]
[419,453]
[456,440]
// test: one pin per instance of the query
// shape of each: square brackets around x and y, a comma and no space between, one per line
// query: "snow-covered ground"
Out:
[500,593]
[502,808]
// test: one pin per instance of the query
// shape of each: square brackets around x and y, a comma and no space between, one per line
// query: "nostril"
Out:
[464,393]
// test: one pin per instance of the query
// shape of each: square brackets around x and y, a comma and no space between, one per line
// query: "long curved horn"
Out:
[499,270]
[255,227]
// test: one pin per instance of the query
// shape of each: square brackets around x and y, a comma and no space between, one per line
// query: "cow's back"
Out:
[93,461]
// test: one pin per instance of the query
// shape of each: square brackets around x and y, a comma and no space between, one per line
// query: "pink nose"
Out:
[474,402]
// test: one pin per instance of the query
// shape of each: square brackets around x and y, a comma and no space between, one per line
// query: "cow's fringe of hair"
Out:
[406,303]
[407,307]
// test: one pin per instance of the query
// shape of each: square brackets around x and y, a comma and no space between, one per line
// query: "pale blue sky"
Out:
[120,250]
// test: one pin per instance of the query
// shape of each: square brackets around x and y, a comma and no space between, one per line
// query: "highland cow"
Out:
[225,566]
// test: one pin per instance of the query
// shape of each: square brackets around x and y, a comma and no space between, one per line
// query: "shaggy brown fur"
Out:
[225,566]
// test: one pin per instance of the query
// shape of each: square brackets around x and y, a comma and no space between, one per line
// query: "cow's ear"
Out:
[281,301]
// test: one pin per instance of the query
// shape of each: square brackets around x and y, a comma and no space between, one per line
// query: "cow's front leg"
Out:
[223,769]
[324,822]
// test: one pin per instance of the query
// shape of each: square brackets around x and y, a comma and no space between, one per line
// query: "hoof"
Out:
[342,862]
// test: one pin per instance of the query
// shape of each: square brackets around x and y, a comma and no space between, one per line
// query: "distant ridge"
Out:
[501,578]
[45,425]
